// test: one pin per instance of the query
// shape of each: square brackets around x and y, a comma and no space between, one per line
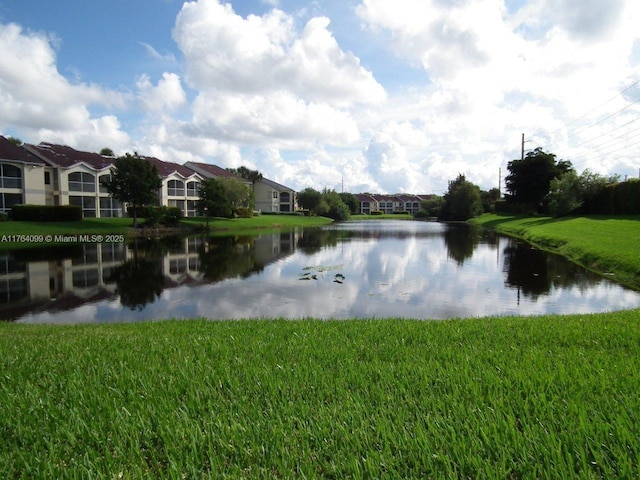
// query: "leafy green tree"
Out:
[350,201]
[335,207]
[570,191]
[254,176]
[462,201]
[15,141]
[529,179]
[238,193]
[107,152]
[310,199]
[213,200]
[432,207]
[489,198]
[134,181]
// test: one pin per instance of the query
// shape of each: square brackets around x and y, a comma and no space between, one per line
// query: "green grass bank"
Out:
[545,397]
[604,244]
[123,226]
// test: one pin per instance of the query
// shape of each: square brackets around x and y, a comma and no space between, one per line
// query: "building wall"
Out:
[267,199]
[181,192]
[273,200]
[83,186]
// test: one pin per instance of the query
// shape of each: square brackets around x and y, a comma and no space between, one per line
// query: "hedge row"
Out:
[617,199]
[46,213]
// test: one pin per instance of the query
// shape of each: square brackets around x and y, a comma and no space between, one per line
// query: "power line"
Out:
[593,110]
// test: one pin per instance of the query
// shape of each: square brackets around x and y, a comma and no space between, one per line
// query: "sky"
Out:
[380,96]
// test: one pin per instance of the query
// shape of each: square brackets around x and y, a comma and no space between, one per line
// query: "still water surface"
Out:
[349,270]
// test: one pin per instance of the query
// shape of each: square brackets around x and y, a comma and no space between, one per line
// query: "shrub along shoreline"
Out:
[607,245]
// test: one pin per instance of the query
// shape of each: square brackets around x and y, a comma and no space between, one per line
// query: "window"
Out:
[192,189]
[88,205]
[85,278]
[178,204]
[13,289]
[192,208]
[110,208]
[10,176]
[89,256]
[274,194]
[103,181]
[175,188]
[179,265]
[113,252]
[47,178]
[8,200]
[82,182]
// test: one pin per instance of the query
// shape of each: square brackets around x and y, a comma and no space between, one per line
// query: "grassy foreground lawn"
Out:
[547,397]
[608,245]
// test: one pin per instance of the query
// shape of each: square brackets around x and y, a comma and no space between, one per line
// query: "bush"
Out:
[160,216]
[617,199]
[46,213]
[4,217]
[244,212]
[171,216]
[376,212]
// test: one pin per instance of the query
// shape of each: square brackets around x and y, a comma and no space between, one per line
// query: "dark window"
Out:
[82,182]
[10,176]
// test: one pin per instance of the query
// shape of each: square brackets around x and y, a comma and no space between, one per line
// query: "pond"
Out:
[367,269]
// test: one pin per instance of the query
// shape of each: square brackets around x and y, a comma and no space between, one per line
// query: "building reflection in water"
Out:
[58,279]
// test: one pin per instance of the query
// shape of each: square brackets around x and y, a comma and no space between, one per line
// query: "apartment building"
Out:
[49,174]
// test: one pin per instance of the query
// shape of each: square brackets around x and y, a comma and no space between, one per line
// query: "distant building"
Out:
[403,202]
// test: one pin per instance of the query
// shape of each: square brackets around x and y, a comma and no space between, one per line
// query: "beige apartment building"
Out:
[49,174]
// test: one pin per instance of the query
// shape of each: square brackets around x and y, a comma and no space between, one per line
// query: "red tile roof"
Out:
[211,170]
[63,156]
[11,151]
[167,168]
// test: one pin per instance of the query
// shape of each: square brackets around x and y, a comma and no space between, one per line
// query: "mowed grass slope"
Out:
[549,397]
[608,245]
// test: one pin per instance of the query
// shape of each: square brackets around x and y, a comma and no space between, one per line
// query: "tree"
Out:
[238,193]
[335,207]
[213,199]
[310,199]
[432,207]
[135,182]
[350,201]
[529,179]
[570,191]
[462,201]
[107,152]
[254,176]
[489,198]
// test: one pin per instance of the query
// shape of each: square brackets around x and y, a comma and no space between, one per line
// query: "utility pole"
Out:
[499,181]
[522,148]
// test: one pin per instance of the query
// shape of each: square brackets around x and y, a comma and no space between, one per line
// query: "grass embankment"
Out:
[603,244]
[484,398]
[123,226]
